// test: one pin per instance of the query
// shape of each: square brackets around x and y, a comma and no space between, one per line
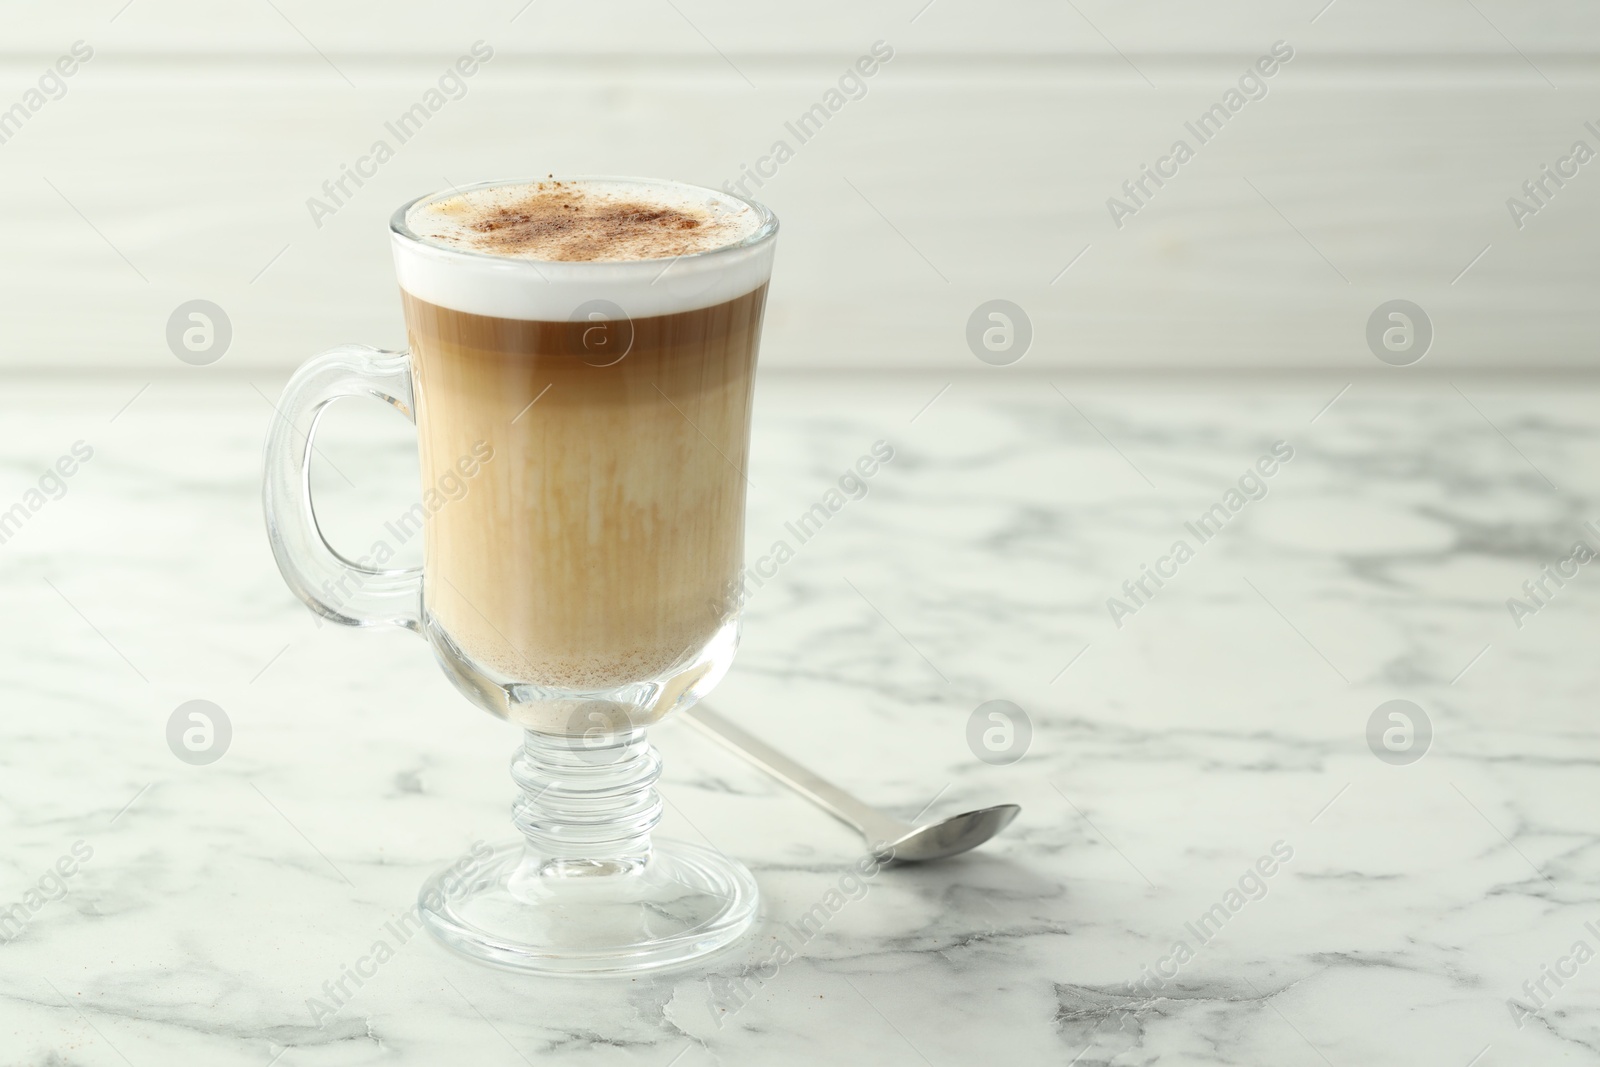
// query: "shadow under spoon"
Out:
[887,835]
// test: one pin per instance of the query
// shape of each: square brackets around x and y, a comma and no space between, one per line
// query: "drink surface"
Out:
[550,251]
[601,543]
[585,220]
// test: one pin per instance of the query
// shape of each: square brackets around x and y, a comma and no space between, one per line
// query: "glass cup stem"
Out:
[588,804]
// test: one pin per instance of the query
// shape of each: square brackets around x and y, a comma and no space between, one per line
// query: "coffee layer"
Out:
[602,543]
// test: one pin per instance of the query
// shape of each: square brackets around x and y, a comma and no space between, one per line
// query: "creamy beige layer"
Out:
[600,543]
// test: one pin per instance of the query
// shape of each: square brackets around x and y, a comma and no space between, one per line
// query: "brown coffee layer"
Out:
[602,542]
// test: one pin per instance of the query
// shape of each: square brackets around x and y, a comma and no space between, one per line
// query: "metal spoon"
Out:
[888,836]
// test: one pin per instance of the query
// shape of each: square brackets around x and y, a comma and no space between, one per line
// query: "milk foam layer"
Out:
[570,221]
[547,250]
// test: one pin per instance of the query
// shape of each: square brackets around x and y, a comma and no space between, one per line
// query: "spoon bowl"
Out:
[949,836]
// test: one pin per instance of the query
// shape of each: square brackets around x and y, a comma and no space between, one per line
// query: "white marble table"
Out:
[1226,716]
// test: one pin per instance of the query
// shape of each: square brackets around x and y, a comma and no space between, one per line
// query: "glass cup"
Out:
[583,430]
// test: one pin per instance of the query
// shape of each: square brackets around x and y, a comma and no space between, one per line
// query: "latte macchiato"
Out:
[581,369]
[601,339]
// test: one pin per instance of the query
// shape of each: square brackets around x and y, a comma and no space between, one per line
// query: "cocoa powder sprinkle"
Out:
[559,221]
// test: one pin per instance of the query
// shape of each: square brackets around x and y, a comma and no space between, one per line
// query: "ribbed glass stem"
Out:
[587,805]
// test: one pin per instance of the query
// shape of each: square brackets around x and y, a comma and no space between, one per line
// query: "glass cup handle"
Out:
[331,585]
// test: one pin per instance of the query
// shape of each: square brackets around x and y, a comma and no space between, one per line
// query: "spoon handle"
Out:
[873,824]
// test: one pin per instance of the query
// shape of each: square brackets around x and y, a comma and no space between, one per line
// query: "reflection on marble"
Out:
[1219,731]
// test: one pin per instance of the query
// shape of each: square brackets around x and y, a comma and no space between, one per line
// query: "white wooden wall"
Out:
[179,162]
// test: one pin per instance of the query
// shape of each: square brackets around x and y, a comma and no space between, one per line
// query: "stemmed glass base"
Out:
[684,902]
[587,891]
